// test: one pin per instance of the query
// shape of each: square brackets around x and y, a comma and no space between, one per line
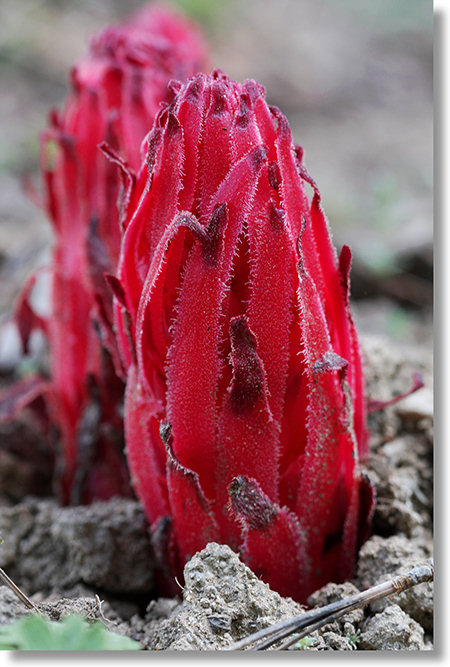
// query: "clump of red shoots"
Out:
[115,94]
[245,410]
[245,415]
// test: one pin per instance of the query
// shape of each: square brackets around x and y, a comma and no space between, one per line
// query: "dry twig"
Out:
[295,628]
[16,590]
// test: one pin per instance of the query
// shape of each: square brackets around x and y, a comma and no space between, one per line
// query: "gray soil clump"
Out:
[223,601]
[342,634]
[389,372]
[70,560]
[382,558]
[392,630]
[104,546]
[10,607]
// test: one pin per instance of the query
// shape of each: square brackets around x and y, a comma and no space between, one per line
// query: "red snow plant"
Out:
[244,412]
[114,97]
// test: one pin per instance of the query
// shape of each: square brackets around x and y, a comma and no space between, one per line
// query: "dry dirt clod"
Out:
[392,630]
[104,546]
[381,558]
[389,371]
[10,607]
[223,601]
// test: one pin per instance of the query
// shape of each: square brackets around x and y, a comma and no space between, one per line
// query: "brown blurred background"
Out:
[354,78]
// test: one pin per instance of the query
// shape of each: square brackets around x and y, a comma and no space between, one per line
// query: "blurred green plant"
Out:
[385,217]
[354,638]
[206,12]
[397,323]
[73,633]
[385,196]
[304,643]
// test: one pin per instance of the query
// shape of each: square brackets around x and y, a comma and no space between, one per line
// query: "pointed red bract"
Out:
[274,545]
[234,323]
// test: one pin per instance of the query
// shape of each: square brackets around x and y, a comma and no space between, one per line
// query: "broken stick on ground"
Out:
[299,626]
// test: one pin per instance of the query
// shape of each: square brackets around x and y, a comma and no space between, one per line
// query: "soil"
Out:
[97,560]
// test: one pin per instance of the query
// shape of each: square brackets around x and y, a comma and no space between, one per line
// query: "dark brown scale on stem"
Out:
[248,501]
[218,93]
[274,175]
[247,386]
[243,116]
[276,217]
